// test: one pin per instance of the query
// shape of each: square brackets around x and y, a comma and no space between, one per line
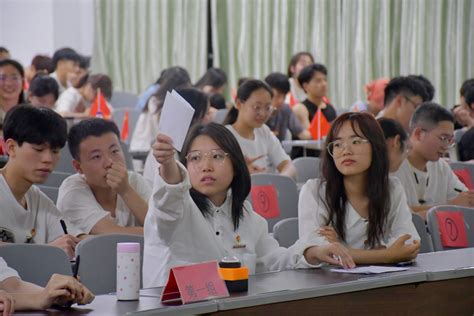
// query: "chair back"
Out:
[36,263]
[434,225]
[286,231]
[98,267]
[56,178]
[121,99]
[51,192]
[307,168]
[220,116]
[425,238]
[287,194]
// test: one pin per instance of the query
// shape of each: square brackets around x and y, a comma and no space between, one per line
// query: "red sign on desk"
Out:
[193,283]
[265,201]
[465,177]
[452,229]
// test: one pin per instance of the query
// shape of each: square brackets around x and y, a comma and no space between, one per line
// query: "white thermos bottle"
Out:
[128,271]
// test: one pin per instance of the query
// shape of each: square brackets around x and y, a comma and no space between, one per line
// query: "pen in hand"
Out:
[63,225]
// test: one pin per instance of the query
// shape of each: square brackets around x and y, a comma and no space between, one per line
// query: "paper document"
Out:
[370,270]
[175,118]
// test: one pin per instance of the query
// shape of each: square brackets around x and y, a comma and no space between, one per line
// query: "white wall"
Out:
[31,27]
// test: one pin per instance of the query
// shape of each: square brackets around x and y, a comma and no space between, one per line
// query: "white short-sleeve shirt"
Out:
[69,100]
[6,272]
[313,214]
[264,143]
[40,216]
[79,206]
[435,186]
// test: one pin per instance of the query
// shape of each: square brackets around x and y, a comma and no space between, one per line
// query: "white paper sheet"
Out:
[175,118]
[370,270]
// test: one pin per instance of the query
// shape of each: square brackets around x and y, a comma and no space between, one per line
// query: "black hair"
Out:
[430,114]
[377,188]
[295,59]
[43,63]
[82,81]
[198,100]
[240,184]
[469,95]
[430,89]
[308,72]
[35,125]
[42,85]
[243,93]
[84,62]
[465,85]
[65,53]
[241,80]
[278,81]
[217,101]
[407,86]
[19,67]
[4,50]
[172,78]
[89,127]
[214,77]
[104,83]
[392,128]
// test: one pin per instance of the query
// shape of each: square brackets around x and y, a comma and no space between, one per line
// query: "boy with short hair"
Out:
[66,67]
[428,180]
[402,96]
[103,197]
[283,118]
[43,91]
[33,139]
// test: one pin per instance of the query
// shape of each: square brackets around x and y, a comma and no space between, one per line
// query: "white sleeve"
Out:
[80,208]
[311,213]
[6,272]
[400,217]
[140,185]
[275,149]
[150,169]
[168,203]
[66,102]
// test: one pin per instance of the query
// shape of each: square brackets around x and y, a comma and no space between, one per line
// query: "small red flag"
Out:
[319,126]
[124,133]
[99,106]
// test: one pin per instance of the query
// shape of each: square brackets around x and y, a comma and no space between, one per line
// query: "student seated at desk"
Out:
[355,201]
[198,212]
[33,139]
[103,197]
[16,294]
[396,139]
[428,180]
[262,150]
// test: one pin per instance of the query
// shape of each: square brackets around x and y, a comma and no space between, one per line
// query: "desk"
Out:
[439,283]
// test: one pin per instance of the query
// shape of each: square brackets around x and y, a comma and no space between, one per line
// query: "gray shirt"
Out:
[283,120]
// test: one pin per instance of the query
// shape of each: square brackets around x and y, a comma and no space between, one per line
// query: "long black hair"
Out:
[377,188]
[240,184]
[19,68]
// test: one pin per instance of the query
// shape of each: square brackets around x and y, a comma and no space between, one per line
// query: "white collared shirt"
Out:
[313,214]
[177,233]
[441,183]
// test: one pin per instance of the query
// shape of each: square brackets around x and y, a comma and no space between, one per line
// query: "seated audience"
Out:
[66,67]
[297,63]
[39,64]
[213,81]
[396,139]
[43,91]
[11,86]
[102,197]
[375,92]
[355,201]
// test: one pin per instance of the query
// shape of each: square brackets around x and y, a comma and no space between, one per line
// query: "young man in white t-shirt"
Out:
[428,180]
[33,139]
[61,290]
[103,197]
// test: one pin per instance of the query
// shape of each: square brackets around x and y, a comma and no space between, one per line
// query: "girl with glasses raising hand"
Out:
[356,202]
[198,212]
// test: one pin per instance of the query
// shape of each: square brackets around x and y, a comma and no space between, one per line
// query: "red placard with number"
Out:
[265,201]
[193,283]
[465,177]
[452,229]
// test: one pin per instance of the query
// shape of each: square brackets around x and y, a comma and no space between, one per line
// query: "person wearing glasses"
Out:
[199,212]
[402,96]
[427,178]
[262,150]
[11,86]
[355,201]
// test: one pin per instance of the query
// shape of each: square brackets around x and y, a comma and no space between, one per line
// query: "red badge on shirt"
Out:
[265,201]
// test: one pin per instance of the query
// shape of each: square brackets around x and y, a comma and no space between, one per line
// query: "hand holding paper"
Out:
[175,118]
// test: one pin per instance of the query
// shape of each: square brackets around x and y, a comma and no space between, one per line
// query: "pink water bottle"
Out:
[128,271]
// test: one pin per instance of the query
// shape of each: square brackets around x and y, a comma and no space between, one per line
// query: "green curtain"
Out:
[357,40]
[136,39]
